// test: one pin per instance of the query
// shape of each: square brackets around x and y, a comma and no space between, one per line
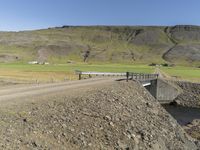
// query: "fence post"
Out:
[79,76]
[127,76]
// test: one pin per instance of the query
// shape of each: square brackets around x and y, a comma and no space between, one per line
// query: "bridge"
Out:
[163,91]
[143,78]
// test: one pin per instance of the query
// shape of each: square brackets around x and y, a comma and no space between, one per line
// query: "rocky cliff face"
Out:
[185,33]
[186,44]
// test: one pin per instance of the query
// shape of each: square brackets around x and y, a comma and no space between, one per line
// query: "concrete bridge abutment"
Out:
[163,91]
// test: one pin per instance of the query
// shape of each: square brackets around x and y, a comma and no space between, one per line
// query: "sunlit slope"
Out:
[101,44]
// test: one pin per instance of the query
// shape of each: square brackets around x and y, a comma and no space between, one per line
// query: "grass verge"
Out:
[61,72]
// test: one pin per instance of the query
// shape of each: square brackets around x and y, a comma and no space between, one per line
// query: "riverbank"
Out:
[187,117]
[190,96]
[183,115]
[186,108]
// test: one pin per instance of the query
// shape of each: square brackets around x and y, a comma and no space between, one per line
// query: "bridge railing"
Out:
[128,75]
[90,74]
[140,76]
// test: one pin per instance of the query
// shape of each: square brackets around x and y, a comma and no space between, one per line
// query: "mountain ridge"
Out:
[178,45]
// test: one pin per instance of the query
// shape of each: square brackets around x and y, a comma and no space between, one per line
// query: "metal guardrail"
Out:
[80,73]
[140,76]
[128,75]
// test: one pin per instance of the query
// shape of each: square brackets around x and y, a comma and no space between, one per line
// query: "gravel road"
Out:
[20,91]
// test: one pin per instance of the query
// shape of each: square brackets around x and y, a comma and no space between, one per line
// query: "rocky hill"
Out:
[112,44]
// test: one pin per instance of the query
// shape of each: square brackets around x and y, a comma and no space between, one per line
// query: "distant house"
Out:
[36,62]
[33,62]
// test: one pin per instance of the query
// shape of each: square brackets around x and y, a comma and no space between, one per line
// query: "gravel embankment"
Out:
[117,115]
[193,129]
[190,96]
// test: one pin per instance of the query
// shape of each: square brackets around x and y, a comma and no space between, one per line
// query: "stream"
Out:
[183,115]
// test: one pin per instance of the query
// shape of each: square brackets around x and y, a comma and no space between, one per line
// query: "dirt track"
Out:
[20,91]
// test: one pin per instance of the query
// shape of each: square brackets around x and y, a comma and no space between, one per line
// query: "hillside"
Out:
[111,44]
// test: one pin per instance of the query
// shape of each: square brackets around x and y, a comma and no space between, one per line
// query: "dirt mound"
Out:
[118,115]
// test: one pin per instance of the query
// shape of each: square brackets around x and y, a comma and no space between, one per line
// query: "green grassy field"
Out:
[60,72]
[82,67]
[67,71]
[187,73]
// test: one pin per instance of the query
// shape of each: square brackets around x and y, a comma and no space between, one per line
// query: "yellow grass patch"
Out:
[37,77]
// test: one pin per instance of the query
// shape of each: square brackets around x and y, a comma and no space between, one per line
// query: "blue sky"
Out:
[36,14]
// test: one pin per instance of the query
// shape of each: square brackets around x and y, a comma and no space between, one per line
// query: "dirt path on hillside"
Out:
[162,74]
[21,91]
